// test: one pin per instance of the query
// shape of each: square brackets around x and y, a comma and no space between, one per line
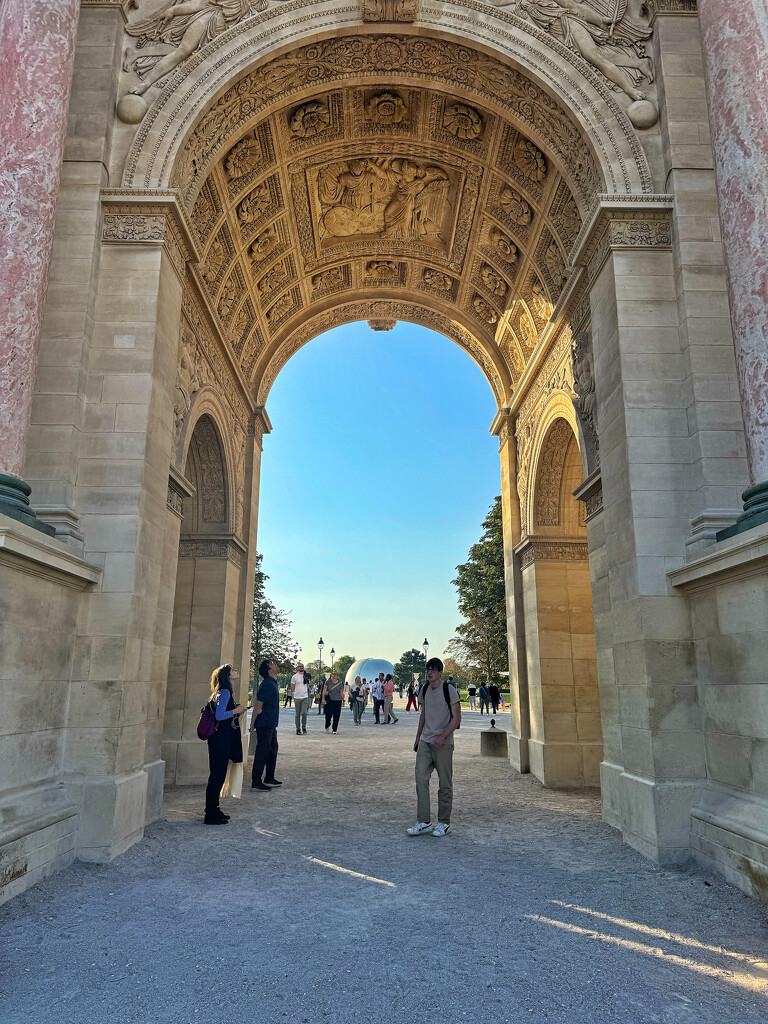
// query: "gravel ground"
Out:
[531,909]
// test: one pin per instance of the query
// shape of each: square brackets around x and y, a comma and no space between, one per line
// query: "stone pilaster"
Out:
[735,38]
[37,45]
[518,671]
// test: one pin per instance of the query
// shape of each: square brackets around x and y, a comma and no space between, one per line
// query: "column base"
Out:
[518,754]
[113,810]
[729,834]
[14,503]
[755,511]
[656,817]
[566,765]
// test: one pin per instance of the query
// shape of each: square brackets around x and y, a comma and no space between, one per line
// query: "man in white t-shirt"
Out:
[377,692]
[440,717]
[300,692]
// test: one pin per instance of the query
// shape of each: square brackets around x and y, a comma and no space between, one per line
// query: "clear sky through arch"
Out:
[375,481]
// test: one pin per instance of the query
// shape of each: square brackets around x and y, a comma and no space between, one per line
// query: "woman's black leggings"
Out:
[219,748]
[332,713]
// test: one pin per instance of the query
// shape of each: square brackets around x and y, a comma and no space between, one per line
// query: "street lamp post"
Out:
[320,646]
[425,645]
[333,656]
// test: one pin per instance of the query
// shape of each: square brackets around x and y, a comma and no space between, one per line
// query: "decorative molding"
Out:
[202,546]
[623,222]
[28,551]
[534,549]
[658,7]
[179,488]
[390,10]
[154,217]
[590,491]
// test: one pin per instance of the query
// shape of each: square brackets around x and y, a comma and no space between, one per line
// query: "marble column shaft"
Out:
[37,46]
[735,40]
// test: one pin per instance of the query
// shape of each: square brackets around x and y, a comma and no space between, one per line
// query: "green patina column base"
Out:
[755,511]
[14,502]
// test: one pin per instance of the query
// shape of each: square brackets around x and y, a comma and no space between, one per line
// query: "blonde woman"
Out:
[222,745]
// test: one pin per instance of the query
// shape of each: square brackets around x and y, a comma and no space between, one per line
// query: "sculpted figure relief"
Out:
[389,198]
[170,35]
[609,34]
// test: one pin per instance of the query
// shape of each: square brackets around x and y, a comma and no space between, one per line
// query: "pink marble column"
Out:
[37,46]
[735,40]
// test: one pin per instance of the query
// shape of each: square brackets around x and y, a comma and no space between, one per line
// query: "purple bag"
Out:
[207,724]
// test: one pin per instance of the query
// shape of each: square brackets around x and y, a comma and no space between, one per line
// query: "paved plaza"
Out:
[313,905]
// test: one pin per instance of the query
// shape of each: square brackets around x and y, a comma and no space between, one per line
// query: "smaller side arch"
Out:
[205,456]
[558,407]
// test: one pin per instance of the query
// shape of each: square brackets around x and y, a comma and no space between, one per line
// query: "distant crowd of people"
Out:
[437,702]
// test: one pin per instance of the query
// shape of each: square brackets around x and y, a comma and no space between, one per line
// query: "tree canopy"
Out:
[480,642]
[270,628]
[411,664]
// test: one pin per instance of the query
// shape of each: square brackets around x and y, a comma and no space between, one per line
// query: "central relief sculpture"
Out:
[383,197]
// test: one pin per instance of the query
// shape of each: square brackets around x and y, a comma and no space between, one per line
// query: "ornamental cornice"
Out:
[213,546]
[623,222]
[153,217]
[557,549]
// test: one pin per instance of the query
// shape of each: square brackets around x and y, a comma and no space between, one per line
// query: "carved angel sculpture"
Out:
[182,26]
[607,33]
[416,208]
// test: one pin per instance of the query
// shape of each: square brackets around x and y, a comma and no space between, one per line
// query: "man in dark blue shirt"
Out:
[265,724]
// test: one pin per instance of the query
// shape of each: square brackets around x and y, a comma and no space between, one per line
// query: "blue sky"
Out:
[375,480]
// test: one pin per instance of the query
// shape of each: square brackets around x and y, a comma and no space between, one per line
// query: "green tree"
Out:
[411,664]
[270,628]
[481,639]
[342,665]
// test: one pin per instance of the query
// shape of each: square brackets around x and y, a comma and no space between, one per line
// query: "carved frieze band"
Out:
[152,217]
[213,547]
[552,551]
[623,222]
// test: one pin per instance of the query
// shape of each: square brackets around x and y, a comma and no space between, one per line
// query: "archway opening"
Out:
[205,609]
[565,745]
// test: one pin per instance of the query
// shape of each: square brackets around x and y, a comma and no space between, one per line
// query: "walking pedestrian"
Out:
[334,693]
[412,697]
[265,724]
[358,701]
[300,692]
[484,698]
[320,694]
[287,696]
[377,692]
[221,742]
[495,696]
[388,690]
[439,719]
[471,695]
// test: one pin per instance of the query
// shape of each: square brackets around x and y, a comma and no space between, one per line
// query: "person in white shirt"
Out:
[300,691]
[377,692]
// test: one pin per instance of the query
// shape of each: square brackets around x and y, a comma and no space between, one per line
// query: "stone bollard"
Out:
[493,741]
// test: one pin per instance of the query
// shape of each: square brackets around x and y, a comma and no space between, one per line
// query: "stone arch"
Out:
[557,409]
[206,466]
[386,311]
[568,88]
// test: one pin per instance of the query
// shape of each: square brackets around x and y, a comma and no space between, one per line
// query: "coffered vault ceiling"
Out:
[384,192]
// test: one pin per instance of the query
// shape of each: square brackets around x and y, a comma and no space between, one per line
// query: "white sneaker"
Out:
[441,830]
[420,828]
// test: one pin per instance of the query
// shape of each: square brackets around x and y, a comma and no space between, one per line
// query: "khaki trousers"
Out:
[388,709]
[428,758]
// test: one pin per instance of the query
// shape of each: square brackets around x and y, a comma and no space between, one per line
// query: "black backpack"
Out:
[447,696]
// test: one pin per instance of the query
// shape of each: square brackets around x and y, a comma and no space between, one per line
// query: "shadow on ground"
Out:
[313,905]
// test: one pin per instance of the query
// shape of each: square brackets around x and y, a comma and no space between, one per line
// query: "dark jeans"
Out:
[377,706]
[265,755]
[484,704]
[332,713]
[219,748]
[495,704]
